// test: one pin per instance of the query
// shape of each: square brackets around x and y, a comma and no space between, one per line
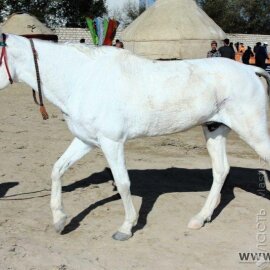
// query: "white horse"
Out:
[109,95]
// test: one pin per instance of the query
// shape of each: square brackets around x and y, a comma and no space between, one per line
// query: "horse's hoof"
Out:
[119,236]
[208,219]
[60,225]
[196,223]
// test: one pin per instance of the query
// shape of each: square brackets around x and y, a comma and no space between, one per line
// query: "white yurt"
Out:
[172,29]
[24,24]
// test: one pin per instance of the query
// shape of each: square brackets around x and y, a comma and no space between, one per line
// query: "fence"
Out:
[75,34]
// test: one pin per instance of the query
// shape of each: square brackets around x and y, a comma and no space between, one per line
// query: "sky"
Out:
[114,4]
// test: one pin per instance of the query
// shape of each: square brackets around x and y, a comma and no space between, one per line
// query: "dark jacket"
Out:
[260,57]
[246,56]
[256,48]
[227,52]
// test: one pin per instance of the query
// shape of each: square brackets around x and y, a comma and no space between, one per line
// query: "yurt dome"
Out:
[172,29]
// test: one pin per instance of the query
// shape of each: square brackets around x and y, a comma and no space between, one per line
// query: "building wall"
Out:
[75,34]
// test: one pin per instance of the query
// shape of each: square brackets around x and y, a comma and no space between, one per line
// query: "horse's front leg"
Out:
[74,152]
[114,152]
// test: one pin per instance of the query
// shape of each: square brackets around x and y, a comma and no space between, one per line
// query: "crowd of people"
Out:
[259,52]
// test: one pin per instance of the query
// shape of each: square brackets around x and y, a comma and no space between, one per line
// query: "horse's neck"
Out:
[51,71]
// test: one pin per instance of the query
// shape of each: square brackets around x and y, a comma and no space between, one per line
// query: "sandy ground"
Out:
[170,178]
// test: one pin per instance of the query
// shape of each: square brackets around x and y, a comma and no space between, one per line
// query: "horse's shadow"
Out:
[4,187]
[150,184]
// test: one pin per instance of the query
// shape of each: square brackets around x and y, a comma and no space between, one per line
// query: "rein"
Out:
[42,108]
[35,56]
[4,56]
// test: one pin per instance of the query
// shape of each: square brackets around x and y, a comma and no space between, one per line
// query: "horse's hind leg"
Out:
[216,145]
[252,126]
[256,135]
[74,152]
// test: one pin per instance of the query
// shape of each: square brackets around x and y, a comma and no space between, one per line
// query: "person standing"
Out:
[246,56]
[237,44]
[261,56]
[227,51]
[265,45]
[267,66]
[214,52]
[242,48]
[120,45]
[256,47]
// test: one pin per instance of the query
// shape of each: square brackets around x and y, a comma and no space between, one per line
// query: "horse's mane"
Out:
[97,51]
[87,50]
[127,59]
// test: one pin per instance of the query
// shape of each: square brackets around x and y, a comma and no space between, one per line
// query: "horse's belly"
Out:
[162,123]
[170,111]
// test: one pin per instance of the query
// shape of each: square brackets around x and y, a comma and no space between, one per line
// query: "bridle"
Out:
[4,57]
[35,56]
[42,108]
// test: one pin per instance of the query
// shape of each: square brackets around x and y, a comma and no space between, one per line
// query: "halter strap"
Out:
[43,111]
[4,56]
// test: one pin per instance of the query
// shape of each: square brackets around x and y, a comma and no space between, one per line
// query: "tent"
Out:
[172,29]
[29,26]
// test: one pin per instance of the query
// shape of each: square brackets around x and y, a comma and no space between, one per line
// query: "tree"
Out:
[75,11]
[37,8]
[256,16]
[69,13]
[239,16]
[1,8]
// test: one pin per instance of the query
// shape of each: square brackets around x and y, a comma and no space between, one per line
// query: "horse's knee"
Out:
[221,173]
[57,171]
[55,174]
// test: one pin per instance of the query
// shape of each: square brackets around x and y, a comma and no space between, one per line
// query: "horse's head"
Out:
[6,71]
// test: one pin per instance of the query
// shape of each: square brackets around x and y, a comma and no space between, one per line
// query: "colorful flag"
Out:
[105,28]
[102,30]
[99,27]
[92,30]
[111,32]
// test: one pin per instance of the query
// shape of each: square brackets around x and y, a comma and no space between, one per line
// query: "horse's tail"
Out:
[262,73]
